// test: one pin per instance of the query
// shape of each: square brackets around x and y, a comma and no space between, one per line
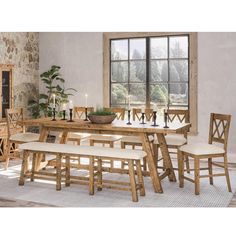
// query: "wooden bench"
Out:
[133,157]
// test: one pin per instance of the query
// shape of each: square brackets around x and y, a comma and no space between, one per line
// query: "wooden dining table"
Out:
[119,128]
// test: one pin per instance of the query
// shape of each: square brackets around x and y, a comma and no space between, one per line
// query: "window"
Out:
[151,70]
[152,67]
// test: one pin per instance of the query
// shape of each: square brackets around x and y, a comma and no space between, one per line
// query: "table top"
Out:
[116,126]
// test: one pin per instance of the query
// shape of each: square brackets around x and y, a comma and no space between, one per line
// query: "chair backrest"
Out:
[13,116]
[137,113]
[178,115]
[79,112]
[219,129]
[120,112]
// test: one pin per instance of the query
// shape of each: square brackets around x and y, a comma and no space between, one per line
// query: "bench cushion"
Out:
[76,136]
[24,137]
[83,150]
[105,137]
[202,149]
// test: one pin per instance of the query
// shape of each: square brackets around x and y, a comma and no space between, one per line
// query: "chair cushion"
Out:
[201,149]
[174,139]
[76,136]
[24,137]
[70,149]
[105,137]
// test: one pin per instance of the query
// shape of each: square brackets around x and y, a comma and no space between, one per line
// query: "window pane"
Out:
[179,94]
[158,48]
[138,71]
[119,49]
[179,47]
[159,93]
[179,70]
[138,93]
[119,71]
[137,48]
[159,71]
[118,93]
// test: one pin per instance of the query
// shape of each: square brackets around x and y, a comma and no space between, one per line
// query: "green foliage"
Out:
[102,112]
[54,84]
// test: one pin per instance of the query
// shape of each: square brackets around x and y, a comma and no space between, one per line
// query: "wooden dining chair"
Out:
[174,141]
[108,139]
[16,133]
[218,133]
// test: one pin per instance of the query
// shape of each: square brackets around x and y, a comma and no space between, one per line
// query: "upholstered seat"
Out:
[174,140]
[202,149]
[24,137]
[104,137]
[84,150]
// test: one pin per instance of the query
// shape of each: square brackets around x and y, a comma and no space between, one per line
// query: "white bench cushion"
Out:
[76,135]
[202,149]
[105,137]
[131,139]
[174,139]
[84,150]
[24,137]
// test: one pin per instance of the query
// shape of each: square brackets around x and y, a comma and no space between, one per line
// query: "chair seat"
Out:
[131,139]
[174,140]
[104,137]
[24,137]
[70,149]
[75,136]
[201,149]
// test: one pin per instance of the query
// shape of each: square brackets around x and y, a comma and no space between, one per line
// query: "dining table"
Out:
[117,127]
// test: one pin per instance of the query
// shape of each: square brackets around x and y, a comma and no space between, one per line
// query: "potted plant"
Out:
[102,116]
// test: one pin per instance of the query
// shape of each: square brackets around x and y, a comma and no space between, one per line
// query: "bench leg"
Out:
[91,176]
[67,171]
[24,166]
[122,145]
[99,187]
[180,158]
[132,181]
[111,144]
[140,178]
[58,172]
[33,167]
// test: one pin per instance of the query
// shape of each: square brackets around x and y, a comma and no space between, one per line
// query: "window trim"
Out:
[193,65]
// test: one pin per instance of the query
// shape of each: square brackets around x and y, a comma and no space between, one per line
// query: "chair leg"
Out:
[33,167]
[78,143]
[122,145]
[140,178]
[23,168]
[91,175]
[180,158]
[58,172]
[7,154]
[67,171]
[227,173]
[210,170]
[99,174]
[187,164]
[111,161]
[196,176]
[132,181]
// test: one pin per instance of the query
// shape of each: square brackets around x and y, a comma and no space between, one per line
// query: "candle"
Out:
[128,102]
[143,109]
[86,100]
[63,106]
[71,105]
[54,100]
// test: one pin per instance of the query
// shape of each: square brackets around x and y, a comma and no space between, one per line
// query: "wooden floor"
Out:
[6,202]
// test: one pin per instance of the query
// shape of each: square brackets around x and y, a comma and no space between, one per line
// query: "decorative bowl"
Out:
[101,119]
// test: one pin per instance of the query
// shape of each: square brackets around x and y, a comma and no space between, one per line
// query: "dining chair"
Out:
[108,139]
[136,141]
[174,141]
[218,134]
[16,133]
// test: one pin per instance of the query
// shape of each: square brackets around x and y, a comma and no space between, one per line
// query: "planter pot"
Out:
[96,119]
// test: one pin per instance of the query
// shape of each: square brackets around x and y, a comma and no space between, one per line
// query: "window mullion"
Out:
[147,72]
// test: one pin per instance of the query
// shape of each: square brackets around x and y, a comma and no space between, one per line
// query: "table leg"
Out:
[166,157]
[151,165]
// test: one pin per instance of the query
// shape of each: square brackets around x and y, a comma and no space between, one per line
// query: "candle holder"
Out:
[129,123]
[154,119]
[165,120]
[71,114]
[142,118]
[86,114]
[64,115]
[53,114]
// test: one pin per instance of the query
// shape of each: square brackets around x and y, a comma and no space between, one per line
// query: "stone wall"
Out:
[22,50]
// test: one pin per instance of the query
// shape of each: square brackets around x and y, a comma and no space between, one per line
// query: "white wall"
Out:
[80,55]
